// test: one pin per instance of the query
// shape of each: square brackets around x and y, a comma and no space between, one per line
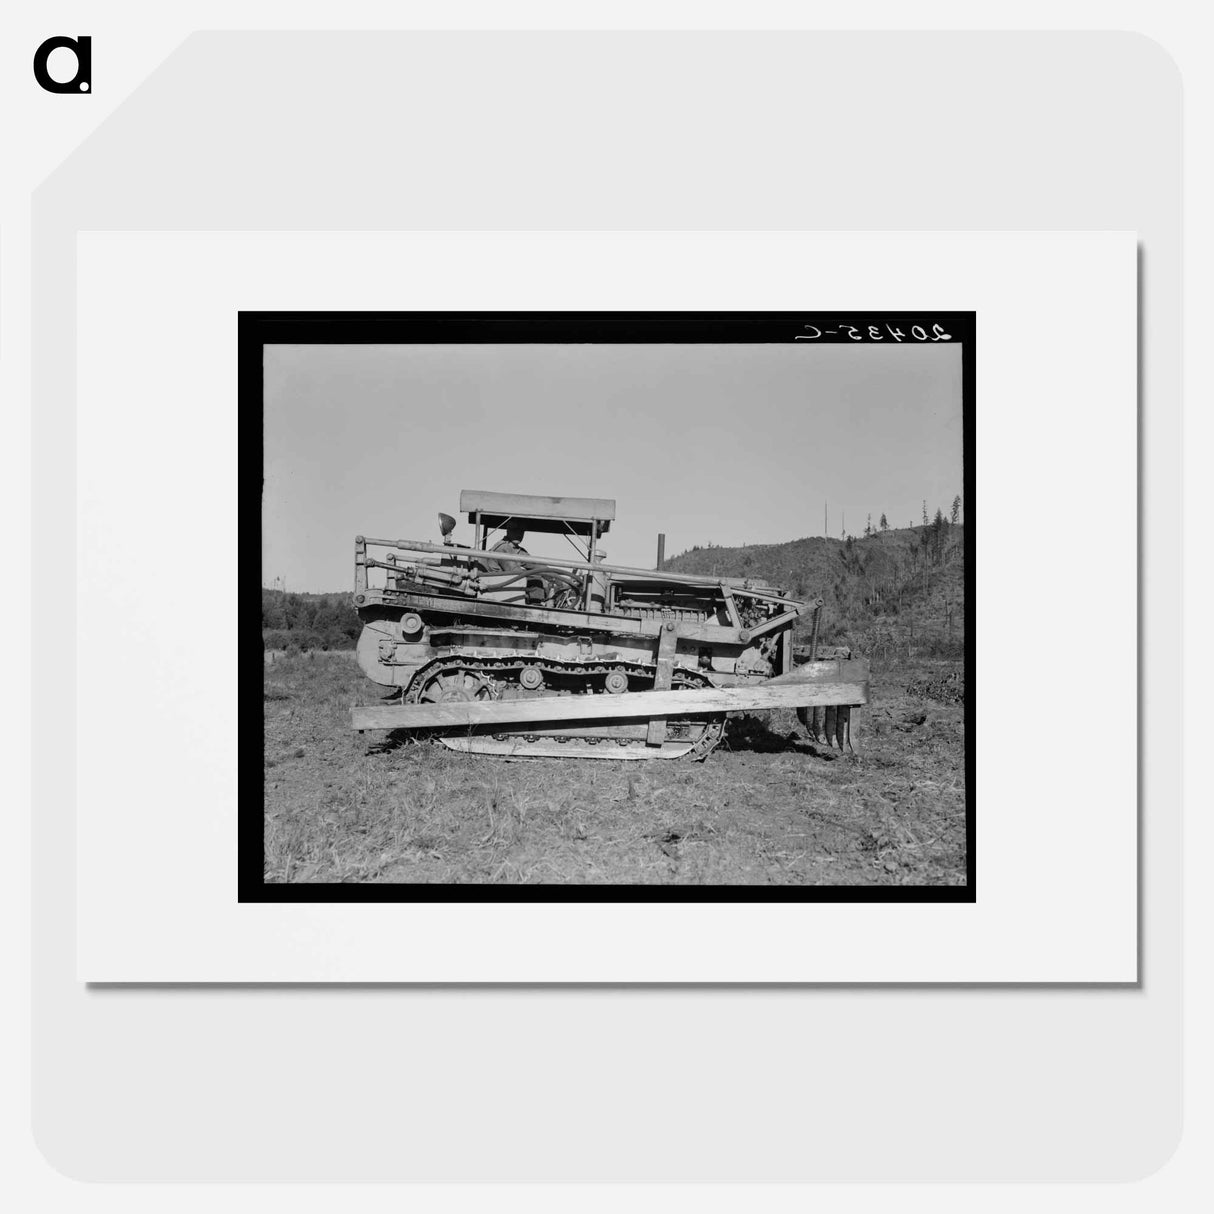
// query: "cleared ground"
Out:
[768,806]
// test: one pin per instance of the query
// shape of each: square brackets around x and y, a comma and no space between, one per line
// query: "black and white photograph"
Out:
[603,605]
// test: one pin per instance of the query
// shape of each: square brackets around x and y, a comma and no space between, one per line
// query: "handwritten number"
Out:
[875,333]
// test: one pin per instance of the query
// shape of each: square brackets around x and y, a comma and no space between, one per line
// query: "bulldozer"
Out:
[492,650]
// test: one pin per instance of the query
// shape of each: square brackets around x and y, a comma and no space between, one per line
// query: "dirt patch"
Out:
[942,686]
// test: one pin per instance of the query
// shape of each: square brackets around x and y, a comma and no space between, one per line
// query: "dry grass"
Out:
[767,807]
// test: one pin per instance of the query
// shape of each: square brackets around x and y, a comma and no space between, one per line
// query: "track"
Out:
[463,679]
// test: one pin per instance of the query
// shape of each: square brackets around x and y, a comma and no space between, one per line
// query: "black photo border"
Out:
[255,330]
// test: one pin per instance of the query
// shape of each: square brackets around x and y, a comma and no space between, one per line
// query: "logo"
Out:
[82,81]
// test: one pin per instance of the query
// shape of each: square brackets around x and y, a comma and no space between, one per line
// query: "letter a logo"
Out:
[82,81]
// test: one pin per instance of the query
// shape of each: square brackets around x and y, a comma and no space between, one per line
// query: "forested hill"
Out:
[878,589]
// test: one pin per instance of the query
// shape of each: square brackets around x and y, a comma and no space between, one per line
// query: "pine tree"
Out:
[926,521]
[956,511]
[884,523]
[939,526]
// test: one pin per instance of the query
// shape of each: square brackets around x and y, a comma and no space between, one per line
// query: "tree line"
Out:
[298,621]
[937,540]
[939,522]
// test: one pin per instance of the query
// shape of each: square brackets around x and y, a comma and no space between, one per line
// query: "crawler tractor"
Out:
[496,651]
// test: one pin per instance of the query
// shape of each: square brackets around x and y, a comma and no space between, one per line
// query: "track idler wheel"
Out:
[531,678]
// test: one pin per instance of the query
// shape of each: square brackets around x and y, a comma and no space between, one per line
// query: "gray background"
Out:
[730,444]
[608,131]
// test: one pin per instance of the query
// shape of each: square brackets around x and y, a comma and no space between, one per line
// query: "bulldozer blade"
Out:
[842,725]
[834,725]
[810,719]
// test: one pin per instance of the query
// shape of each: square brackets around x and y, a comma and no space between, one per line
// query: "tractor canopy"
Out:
[584,516]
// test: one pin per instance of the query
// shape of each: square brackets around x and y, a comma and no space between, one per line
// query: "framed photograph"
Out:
[602,606]
[502,763]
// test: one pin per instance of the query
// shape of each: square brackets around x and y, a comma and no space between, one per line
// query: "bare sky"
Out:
[729,444]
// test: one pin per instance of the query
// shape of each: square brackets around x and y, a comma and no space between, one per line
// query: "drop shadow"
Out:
[747,734]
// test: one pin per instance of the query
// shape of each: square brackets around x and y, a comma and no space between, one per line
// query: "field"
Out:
[768,806]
